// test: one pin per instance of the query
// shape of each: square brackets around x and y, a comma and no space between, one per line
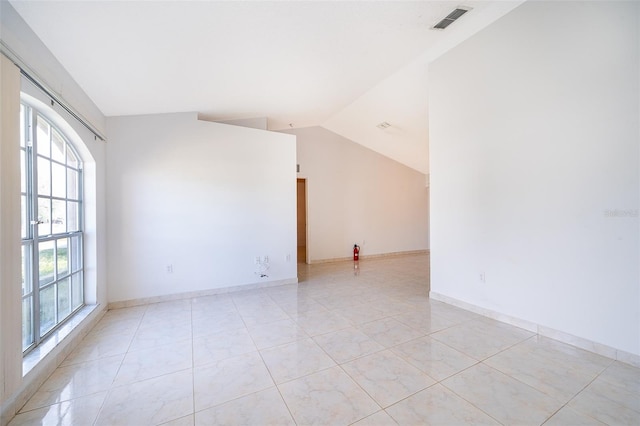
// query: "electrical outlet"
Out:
[169,269]
[266,259]
[483,277]
[257,260]
[288,258]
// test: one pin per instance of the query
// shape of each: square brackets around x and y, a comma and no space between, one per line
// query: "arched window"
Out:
[52,227]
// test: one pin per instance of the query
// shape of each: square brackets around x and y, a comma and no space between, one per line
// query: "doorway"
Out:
[302,219]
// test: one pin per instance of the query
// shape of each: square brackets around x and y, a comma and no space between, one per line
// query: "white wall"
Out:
[355,195]
[204,197]
[534,132]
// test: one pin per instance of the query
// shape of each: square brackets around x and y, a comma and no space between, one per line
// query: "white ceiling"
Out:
[344,65]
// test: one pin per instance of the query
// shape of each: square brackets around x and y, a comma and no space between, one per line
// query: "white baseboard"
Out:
[369,256]
[579,342]
[202,293]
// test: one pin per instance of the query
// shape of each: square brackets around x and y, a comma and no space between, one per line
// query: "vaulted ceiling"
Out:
[347,66]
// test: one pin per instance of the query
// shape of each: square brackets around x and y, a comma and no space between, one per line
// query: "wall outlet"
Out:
[483,277]
[288,258]
[257,262]
[169,269]
[266,259]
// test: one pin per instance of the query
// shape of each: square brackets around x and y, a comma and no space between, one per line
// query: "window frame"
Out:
[67,260]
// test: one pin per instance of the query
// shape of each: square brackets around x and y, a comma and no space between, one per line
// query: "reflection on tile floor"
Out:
[339,348]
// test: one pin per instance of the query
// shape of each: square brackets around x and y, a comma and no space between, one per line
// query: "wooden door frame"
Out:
[306,216]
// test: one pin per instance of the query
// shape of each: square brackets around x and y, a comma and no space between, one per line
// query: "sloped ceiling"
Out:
[343,65]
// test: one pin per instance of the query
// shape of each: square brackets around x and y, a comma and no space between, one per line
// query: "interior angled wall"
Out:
[357,196]
[192,203]
[534,138]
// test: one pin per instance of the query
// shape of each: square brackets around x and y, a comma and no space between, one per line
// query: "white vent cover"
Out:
[450,18]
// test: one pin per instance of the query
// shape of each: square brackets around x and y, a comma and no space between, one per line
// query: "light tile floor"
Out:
[346,346]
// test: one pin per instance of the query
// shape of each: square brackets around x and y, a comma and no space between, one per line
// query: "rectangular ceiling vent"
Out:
[450,19]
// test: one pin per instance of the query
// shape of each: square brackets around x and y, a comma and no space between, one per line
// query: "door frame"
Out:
[305,181]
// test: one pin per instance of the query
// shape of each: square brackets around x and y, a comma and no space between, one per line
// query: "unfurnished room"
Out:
[319,212]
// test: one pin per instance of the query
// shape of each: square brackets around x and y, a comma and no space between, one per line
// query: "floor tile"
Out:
[381,418]
[182,421]
[259,316]
[567,416]
[213,304]
[613,397]
[75,381]
[386,377]
[390,306]
[221,345]
[122,314]
[424,320]
[204,323]
[261,408]
[502,397]
[362,314]
[434,358]
[97,346]
[79,411]
[554,368]
[376,323]
[117,326]
[229,379]
[481,338]
[348,344]
[316,323]
[389,332]
[157,336]
[621,383]
[149,402]
[437,405]
[329,397]
[277,333]
[154,362]
[295,360]
[299,307]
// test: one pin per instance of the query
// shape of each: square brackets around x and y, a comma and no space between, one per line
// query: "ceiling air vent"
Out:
[450,19]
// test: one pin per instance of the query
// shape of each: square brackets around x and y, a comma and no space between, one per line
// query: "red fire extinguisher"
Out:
[356,252]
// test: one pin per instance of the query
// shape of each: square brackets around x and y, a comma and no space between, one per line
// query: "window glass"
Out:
[46,256]
[27,322]
[64,298]
[72,184]
[44,176]
[62,252]
[23,216]
[58,180]
[44,216]
[57,146]
[72,161]
[73,213]
[77,290]
[44,144]
[48,307]
[58,216]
